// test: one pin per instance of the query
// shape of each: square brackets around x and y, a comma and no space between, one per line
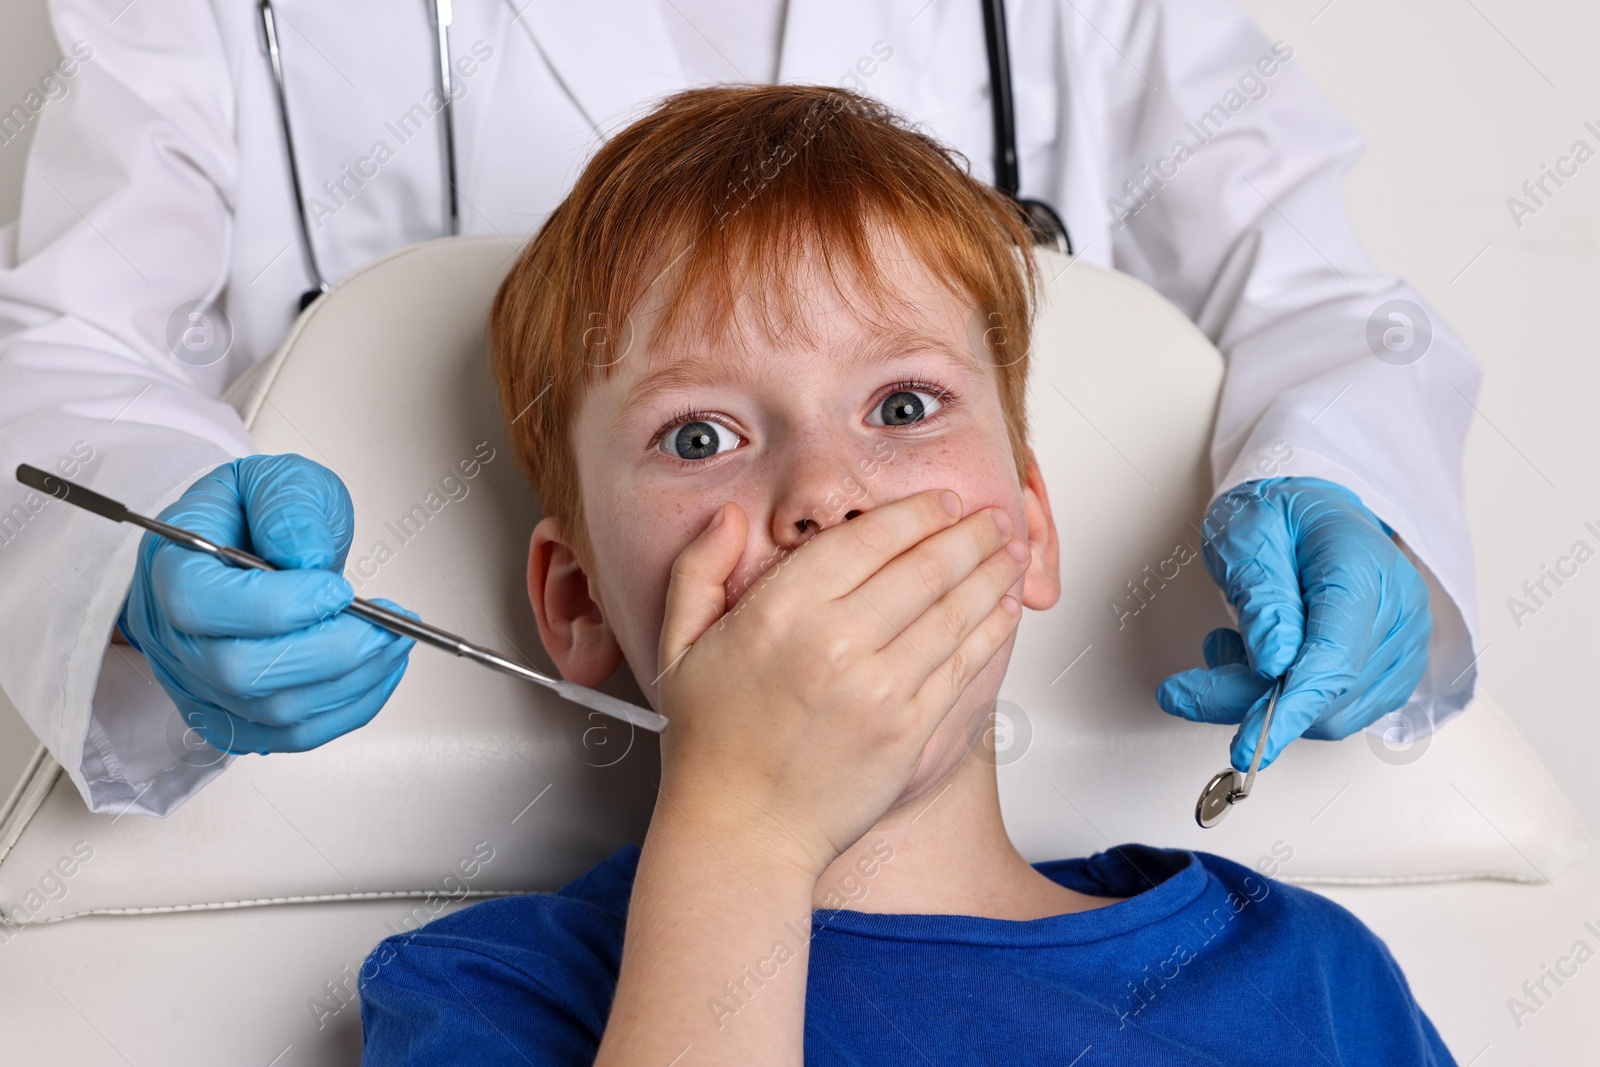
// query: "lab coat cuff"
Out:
[137,756]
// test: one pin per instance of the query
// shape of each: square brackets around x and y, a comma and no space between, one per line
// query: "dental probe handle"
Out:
[89,500]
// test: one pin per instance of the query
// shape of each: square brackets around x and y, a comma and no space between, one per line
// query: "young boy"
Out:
[766,367]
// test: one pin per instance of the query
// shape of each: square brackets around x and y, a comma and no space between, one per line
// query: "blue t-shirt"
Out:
[1206,962]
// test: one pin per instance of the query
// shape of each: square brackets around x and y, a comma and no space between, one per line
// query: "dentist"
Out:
[160,255]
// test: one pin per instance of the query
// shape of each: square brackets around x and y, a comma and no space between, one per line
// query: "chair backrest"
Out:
[386,381]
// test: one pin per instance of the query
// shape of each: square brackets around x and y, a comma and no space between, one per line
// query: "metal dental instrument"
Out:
[89,500]
[1229,787]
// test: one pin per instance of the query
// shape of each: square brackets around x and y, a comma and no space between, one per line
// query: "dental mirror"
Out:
[1229,787]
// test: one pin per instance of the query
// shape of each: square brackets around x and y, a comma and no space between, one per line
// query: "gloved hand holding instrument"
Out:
[1326,601]
[273,654]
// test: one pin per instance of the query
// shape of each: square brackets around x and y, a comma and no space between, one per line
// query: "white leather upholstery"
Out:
[386,382]
[242,987]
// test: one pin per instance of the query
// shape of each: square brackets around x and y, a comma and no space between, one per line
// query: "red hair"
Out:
[722,189]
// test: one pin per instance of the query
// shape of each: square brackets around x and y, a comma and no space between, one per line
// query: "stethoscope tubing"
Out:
[1046,225]
[443,16]
[269,31]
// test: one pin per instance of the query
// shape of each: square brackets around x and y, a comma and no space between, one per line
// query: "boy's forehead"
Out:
[815,310]
[796,294]
[733,359]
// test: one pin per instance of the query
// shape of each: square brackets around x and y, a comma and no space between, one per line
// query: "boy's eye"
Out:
[698,440]
[906,406]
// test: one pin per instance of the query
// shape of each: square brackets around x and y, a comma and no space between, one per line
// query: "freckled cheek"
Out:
[984,476]
[634,547]
[637,536]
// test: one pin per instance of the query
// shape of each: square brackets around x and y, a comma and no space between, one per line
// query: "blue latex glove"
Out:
[258,661]
[1321,592]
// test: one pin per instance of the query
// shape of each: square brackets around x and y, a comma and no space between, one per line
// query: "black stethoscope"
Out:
[1046,226]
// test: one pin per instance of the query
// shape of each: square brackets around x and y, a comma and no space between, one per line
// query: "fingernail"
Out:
[1018,550]
[716,520]
[1002,520]
[1009,602]
[951,502]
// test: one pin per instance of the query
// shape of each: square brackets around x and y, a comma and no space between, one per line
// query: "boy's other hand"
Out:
[797,719]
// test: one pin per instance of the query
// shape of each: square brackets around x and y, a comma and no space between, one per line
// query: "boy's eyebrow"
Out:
[723,365]
[685,371]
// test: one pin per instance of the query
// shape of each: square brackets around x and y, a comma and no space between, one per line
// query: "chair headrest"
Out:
[386,381]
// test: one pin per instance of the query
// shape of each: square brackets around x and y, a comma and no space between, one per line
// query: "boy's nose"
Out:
[804,525]
[820,485]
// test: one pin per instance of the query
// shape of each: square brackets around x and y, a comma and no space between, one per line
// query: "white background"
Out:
[1461,101]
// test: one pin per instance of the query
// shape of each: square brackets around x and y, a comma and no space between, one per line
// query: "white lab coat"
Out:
[160,177]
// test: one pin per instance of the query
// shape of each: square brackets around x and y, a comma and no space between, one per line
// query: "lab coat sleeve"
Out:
[125,216]
[1223,180]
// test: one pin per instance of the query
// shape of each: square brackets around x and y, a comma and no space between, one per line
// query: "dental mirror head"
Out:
[1217,797]
[1229,787]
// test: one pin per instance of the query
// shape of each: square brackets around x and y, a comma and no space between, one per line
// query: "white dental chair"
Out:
[231,931]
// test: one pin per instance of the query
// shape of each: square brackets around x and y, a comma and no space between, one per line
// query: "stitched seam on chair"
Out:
[27,799]
[41,755]
[321,898]
[1419,879]
[413,894]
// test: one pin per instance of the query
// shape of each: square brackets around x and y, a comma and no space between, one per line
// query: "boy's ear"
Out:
[571,622]
[1041,586]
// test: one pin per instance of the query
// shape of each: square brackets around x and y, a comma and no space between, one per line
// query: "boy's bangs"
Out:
[708,283]
[806,191]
